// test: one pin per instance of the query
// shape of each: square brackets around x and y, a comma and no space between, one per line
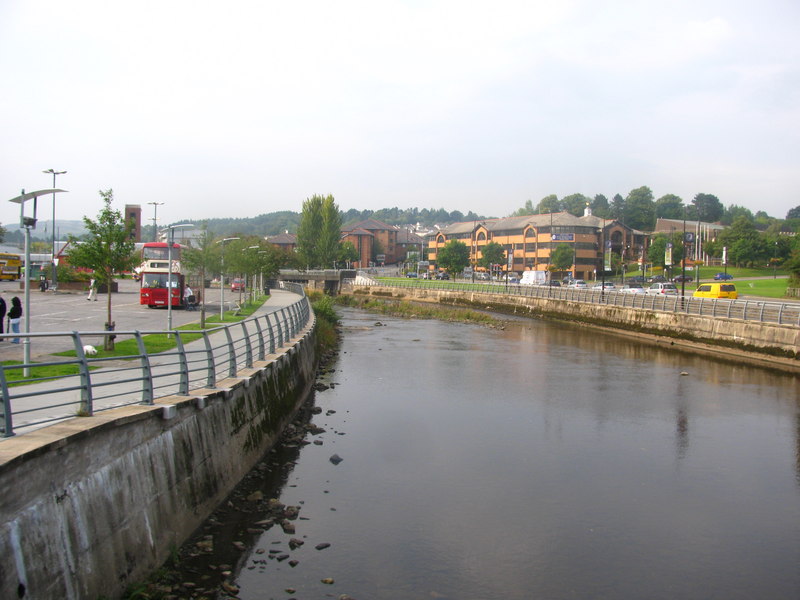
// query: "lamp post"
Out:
[170,242]
[155,218]
[222,276]
[252,283]
[54,173]
[28,223]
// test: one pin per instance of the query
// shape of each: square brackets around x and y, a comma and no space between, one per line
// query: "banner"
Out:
[668,255]
[607,256]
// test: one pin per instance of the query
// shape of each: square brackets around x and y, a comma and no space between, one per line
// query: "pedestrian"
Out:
[188,296]
[14,317]
[2,314]
[42,283]
[92,290]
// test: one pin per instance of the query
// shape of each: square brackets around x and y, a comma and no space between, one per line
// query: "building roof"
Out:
[284,239]
[369,224]
[358,231]
[666,225]
[404,236]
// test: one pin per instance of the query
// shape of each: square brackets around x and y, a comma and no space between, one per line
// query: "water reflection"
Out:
[540,461]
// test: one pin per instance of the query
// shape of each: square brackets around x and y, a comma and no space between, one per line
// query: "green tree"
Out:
[744,242]
[561,258]
[601,207]
[330,237]
[202,259]
[548,204]
[656,250]
[528,209]
[453,257]
[348,253]
[108,250]
[492,254]
[708,208]
[309,232]
[640,210]
[617,209]
[733,211]
[669,207]
[575,204]
[794,213]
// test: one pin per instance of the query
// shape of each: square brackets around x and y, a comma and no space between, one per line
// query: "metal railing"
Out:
[199,360]
[781,313]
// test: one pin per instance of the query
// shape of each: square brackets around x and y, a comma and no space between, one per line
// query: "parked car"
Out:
[513,279]
[578,284]
[411,275]
[632,288]
[683,278]
[636,279]
[716,290]
[482,276]
[722,276]
[237,285]
[663,288]
[442,275]
[552,283]
[657,279]
[607,286]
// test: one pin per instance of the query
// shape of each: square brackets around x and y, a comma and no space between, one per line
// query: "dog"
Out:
[89,350]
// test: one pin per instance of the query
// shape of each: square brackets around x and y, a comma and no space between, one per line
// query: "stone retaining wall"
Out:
[93,504]
[778,345]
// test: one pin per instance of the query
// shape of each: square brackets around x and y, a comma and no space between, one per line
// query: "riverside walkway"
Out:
[104,383]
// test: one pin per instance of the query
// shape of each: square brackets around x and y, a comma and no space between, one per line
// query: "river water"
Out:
[538,461]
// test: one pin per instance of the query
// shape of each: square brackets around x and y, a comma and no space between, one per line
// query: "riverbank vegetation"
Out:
[405,309]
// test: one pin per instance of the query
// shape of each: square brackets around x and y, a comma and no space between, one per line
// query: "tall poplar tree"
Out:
[309,231]
[331,235]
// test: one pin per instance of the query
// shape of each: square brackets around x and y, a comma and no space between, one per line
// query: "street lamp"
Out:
[28,223]
[252,284]
[170,242]
[222,276]
[54,173]
[155,218]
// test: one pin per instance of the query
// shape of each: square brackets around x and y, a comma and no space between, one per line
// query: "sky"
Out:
[235,109]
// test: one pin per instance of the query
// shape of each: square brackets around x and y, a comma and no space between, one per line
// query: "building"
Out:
[529,240]
[285,241]
[133,212]
[383,243]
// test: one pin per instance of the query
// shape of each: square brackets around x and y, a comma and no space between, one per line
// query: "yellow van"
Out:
[716,290]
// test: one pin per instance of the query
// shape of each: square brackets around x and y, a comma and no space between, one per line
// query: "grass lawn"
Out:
[52,371]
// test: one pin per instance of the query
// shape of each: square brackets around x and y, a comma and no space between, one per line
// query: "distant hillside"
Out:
[278,222]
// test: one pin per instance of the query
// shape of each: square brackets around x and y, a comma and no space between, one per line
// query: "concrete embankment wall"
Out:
[94,504]
[762,343]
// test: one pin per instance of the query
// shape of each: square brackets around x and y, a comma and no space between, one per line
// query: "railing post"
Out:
[261,353]
[147,371]
[248,347]
[86,381]
[8,424]
[211,379]
[183,385]
[271,334]
[231,353]
[279,322]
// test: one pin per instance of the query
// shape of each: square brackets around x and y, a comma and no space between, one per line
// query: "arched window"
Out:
[482,236]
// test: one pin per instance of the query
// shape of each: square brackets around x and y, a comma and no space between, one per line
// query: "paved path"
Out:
[117,382]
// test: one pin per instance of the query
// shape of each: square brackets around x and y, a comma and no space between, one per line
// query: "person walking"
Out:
[92,290]
[2,314]
[14,317]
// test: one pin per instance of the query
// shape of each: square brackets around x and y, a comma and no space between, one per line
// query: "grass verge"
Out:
[403,308]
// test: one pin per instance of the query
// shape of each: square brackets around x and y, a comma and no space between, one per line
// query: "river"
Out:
[538,461]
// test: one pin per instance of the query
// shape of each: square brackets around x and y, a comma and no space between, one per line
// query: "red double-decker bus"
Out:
[154,275]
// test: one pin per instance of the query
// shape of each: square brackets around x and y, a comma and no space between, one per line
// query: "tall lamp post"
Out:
[170,242]
[222,277]
[28,223]
[54,173]
[155,219]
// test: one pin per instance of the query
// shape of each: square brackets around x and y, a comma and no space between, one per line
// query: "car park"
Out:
[442,275]
[552,283]
[665,288]
[716,290]
[632,288]
[482,276]
[722,276]
[636,279]
[606,286]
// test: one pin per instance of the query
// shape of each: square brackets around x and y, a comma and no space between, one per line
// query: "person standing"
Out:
[2,314]
[92,290]
[14,317]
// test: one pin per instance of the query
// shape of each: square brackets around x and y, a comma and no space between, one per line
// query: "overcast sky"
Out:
[233,109]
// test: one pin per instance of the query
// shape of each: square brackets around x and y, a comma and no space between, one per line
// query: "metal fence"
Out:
[199,360]
[782,313]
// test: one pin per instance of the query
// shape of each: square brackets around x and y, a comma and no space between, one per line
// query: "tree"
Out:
[733,211]
[548,204]
[528,209]
[656,250]
[492,254]
[348,253]
[600,206]
[617,207]
[708,208]
[575,204]
[108,250]
[309,232]
[331,234]
[794,213]
[561,257]
[640,210]
[669,207]
[203,259]
[453,257]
